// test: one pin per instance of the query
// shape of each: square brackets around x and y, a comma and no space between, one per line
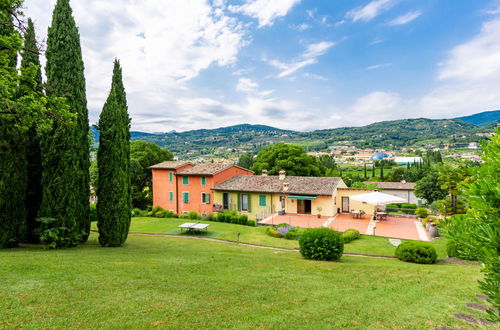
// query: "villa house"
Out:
[181,186]
[261,196]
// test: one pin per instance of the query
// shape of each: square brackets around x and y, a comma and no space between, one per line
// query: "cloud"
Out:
[370,11]
[307,58]
[246,85]
[378,66]
[406,18]
[476,59]
[265,11]
[300,27]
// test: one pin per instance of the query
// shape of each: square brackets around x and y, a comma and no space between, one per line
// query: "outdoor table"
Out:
[191,227]
[381,216]
[357,214]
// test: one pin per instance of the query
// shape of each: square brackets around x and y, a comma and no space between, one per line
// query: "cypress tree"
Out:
[114,201]
[366,176]
[33,153]
[66,178]
[12,141]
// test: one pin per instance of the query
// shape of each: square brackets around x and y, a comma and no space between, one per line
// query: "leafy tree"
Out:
[246,160]
[142,156]
[451,179]
[30,59]
[328,162]
[66,151]
[113,158]
[291,158]
[430,188]
[21,106]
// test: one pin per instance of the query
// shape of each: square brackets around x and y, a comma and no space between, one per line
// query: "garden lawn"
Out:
[258,235]
[175,282]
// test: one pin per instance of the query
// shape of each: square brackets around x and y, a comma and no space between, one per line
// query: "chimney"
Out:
[285,186]
[264,172]
[282,175]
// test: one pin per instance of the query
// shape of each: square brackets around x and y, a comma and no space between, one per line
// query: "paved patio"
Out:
[393,227]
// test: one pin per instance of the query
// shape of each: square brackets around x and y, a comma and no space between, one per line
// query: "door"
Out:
[307,207]
[301,207]
[345,204]
[225,201]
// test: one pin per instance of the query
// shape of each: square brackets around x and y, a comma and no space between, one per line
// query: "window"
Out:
[203,180]
[185,197]
[171,176]
[244,202]
[262,200]
[185,180]
[205,198]
[171,195]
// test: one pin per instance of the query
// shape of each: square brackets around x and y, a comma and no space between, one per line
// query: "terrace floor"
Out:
[394,227]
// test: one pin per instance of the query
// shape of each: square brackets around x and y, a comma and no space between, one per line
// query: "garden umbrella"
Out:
[377,198]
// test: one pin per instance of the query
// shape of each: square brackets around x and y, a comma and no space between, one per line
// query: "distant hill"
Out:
[482,118]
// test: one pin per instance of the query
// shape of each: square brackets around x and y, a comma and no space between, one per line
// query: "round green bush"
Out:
[350,235]
[271,231]
[293,234]
[321,244]
[416,252]
[251,223]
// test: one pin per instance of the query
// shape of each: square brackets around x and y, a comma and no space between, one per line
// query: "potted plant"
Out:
[319,208]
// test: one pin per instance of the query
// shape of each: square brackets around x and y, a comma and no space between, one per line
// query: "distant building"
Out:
[399,189]
[408,160]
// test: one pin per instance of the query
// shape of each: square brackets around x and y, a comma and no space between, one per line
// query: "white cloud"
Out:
[265,11]
[406,18]
[478,58]
[307,58]
[378,66]
[301,27]
[246,85]
[370,11]
[376,106]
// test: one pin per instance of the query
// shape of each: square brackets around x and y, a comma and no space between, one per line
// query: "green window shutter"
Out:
[171,196]
[203,181]
[249,198]
[171,175]
[262,200]
[208,198]
[185,197]
[185,180]
[239,202]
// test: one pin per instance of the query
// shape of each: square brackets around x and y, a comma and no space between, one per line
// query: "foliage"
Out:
[422,212]
[53,233]
[233,217]
[321,244]
[113,158]
[65,148]
[361,185]
[430,188]
[291,158]
[416,252]
[294,233]
[142,156]
[350,235]
[93,212]
[246,160]
[460,231]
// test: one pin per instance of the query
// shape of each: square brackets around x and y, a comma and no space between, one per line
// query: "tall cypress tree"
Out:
[12,141]
[113,158]
[30,58]
[66,178]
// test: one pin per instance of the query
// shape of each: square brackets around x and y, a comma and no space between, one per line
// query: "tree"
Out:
[33,152]
[113,159]
[142,156]
[246,160]
[291,158]
[430,188]
[66,161]
[451,179]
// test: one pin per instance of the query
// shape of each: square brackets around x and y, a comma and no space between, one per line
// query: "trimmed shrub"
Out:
[160,214]
[283,230]
[156,209]
[293,234]
[55,235]
[192,215]
[350,235]
[416,252]
[138,213]
[175,215]
[321,244]
[422,212]
[408,206]
[271,231]
[251,223]
[93,212]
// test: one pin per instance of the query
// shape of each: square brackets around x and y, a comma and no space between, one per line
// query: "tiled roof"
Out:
[300,185]
[204,169]
[394,185]
[170,165]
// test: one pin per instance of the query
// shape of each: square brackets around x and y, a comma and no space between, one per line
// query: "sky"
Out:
[291,64]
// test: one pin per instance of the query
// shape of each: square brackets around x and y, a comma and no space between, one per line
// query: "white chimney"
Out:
[264,172]
[285,186]
[282,175]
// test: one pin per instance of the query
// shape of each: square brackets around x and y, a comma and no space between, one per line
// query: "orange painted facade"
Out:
[185,192]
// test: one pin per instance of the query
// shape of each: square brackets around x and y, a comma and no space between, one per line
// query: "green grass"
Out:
[174,282]
[257,235]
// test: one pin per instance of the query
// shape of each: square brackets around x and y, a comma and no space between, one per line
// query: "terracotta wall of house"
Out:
[162,186]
